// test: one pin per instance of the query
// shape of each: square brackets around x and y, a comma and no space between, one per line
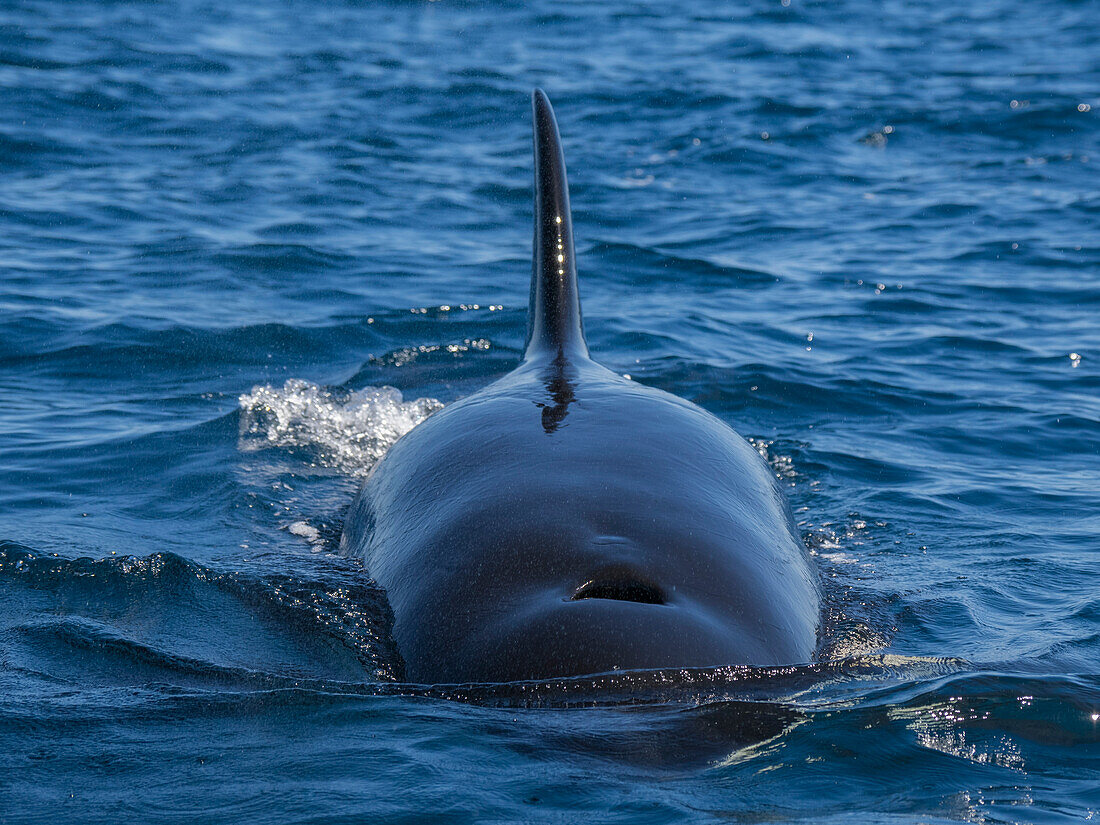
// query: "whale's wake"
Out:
[345,430]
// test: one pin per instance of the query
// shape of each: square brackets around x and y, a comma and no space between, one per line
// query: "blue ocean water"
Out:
[243,247]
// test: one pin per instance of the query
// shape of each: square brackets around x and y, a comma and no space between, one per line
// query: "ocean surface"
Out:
[245,246]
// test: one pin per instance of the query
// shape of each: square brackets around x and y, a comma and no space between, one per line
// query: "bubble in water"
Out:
[348,431]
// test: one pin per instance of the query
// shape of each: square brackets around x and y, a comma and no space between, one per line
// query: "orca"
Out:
[566,520]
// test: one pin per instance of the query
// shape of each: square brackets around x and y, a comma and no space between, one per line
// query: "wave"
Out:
[161,618]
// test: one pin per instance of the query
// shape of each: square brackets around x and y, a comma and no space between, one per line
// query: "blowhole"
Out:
[622,591]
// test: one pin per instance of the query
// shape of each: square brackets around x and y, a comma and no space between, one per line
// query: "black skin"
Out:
[566,520]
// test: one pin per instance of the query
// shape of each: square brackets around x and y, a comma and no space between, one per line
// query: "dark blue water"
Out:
[866,234]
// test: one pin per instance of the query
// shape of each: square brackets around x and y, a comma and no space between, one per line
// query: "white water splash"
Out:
[781,465]
[305,530]
[347,431]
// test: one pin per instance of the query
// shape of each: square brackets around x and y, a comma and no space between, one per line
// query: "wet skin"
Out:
[566,520]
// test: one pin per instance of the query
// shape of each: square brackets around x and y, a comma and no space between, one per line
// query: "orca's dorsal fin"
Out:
[554,328]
